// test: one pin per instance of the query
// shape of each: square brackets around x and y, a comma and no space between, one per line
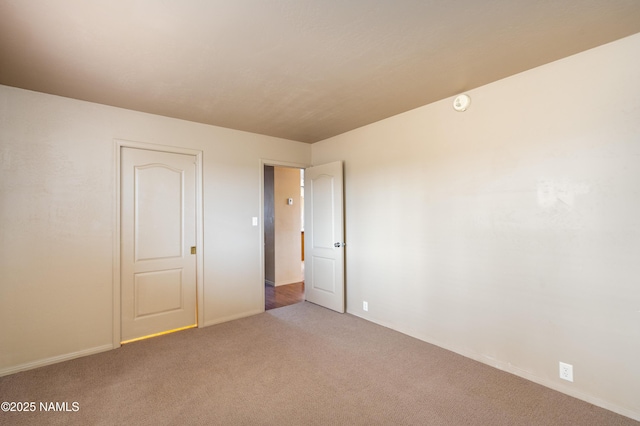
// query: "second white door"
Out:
[324,236]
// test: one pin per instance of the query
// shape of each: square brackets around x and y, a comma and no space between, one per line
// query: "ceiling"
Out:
[303,70]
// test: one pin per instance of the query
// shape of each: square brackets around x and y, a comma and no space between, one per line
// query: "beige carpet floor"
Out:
[297,365]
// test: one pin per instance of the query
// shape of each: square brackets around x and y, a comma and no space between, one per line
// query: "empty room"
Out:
[470,212]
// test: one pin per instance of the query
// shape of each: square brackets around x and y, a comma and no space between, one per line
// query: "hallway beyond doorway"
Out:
[283,295]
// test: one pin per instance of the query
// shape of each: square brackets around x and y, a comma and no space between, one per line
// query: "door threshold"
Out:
[158,334]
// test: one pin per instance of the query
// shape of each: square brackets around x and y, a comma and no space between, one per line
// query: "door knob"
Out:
[339,245]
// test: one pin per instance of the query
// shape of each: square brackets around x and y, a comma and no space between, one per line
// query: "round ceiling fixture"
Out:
[461,103]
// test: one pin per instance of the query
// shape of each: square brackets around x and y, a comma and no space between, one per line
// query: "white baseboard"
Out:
[288,283]
[232,317]
[54,360]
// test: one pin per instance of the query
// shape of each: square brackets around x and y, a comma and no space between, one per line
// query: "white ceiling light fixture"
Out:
[461,103]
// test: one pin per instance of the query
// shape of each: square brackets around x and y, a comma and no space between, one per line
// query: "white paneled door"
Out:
[158,231]
[324,236]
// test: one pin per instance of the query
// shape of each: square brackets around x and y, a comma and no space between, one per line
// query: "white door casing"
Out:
[158,229]
[324,236]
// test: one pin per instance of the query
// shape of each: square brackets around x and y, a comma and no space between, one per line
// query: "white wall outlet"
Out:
[365,306]
[566,371]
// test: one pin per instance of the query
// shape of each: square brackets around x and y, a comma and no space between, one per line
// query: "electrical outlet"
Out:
[365,306]
[566,372]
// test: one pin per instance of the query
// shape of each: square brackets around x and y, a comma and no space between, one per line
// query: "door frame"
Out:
[118,144]
[274,163]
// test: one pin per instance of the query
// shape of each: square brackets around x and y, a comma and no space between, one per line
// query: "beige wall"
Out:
[288,246]
[509,233]
[57,220]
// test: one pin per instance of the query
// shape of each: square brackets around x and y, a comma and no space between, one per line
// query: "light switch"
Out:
[290,201]
[254,221]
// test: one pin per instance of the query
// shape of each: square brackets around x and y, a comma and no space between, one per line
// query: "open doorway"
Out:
[283,236]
